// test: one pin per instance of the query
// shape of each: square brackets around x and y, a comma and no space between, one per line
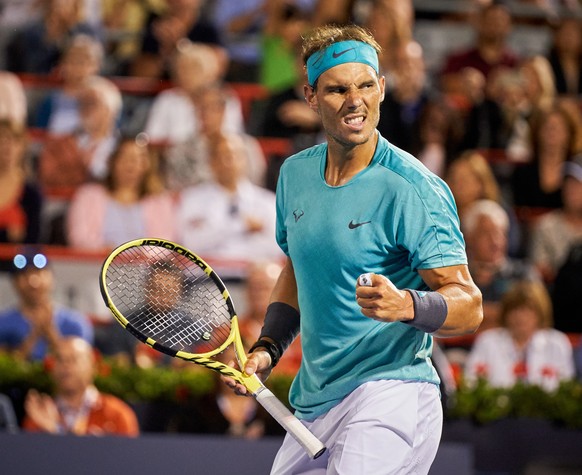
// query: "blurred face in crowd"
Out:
[487,241]
[464,183]
[554,132]
[95,113]
[163,290]
[572,195]
[494,24]
[409,73]
[195,66]
[568,37]
[522,322]
[79,63]
[228,161]
[73,369]
[11,148]
[130,165]
[34,285]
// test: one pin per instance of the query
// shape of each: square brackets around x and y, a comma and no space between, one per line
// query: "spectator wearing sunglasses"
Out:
[36,324]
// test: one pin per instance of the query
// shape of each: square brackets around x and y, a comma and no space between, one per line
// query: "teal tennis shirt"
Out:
[393,218]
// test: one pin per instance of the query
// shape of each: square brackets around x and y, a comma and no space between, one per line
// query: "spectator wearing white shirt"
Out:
[172,118]
[525,348]
[228,217]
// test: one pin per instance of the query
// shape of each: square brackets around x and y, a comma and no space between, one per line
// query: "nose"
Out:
[354,98]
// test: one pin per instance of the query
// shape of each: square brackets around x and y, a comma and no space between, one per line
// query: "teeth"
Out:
[355,120]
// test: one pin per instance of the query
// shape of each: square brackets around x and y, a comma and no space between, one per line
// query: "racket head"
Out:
[170,298]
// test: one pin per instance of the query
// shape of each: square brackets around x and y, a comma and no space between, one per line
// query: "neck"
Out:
[126,195]
[73,399]
[343,163]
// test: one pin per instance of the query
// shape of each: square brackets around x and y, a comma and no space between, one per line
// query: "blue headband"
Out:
[339,53]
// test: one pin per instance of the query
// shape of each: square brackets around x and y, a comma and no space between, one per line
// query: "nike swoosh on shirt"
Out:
[337,55]
[353,225]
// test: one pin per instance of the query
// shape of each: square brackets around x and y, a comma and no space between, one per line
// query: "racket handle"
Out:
[312,445]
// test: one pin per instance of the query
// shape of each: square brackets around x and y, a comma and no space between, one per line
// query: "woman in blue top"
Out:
[376,264]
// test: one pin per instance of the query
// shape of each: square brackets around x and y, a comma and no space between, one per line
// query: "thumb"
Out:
[258,360]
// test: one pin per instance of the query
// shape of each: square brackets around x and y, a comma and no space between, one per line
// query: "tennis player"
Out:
[358,206]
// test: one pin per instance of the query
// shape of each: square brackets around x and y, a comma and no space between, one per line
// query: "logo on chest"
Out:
[297,214]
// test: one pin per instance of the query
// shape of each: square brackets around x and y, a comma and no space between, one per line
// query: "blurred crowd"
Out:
[122,118]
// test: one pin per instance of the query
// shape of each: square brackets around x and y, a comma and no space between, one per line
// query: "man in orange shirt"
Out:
[77,407]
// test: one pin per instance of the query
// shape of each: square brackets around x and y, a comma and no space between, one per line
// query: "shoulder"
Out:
[414,177]
[492,336]
[553,336]
[10,315]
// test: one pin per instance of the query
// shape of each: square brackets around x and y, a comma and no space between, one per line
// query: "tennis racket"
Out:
[170,299]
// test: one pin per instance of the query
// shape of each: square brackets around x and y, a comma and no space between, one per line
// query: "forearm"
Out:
[281,324]
[465,311]
[285,289]
[463,299]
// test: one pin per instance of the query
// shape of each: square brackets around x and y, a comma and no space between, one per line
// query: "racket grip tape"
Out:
[312,445]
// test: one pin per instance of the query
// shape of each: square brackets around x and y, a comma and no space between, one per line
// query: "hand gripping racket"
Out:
[169,298]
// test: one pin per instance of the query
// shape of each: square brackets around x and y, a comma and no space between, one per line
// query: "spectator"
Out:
[524,105]
[186,163]
[37,46]
[21,199]
[485,225]
[240,25]
[471,179]
[565,56]
[37,323]
[554,233]
[391,23]
[13,102]
[496,116]
[525,348]
[492,26]
[287,115]
[125,20]
[172,118]
[411,118]
[228,217]
[539,183]
[163,32]
[129,203]
[286,21]
[59,111]
[77,407]
[67,161]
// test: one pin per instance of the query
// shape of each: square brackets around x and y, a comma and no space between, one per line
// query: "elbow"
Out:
[476,306]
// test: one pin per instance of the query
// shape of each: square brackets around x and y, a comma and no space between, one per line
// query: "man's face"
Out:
[34,285]
[347,98]
[488,241]
[73,369]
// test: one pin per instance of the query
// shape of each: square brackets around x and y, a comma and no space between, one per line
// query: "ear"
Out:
[382,82]
[311,98]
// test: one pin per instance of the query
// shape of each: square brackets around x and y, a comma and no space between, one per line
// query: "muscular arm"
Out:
[384,302]
[465,310]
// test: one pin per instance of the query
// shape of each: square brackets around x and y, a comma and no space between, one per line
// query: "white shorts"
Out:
[381,428]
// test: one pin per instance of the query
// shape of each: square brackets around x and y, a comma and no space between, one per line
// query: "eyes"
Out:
[366,87]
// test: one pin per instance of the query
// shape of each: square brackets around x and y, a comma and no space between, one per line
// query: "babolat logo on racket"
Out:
[173,247]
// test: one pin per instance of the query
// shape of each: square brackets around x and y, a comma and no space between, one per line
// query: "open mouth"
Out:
[355,122]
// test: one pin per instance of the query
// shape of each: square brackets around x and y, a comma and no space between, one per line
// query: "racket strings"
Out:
[167,297]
